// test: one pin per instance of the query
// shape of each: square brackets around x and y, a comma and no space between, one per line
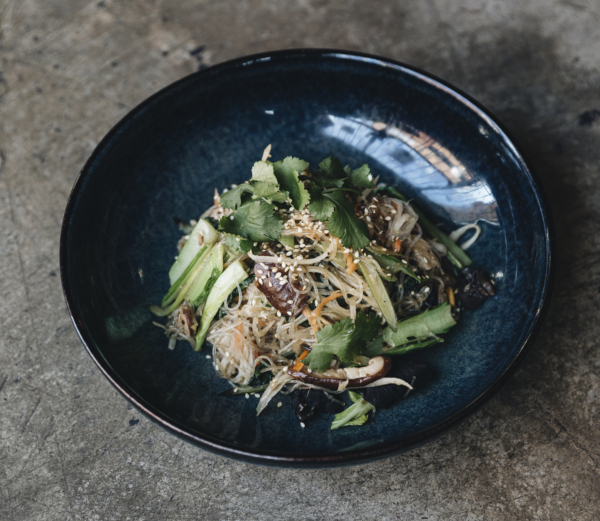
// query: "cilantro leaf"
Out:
[343,224]
[362,177]
[233,198]
[286,172]
[320,206]
[330,173]
[269,191]
[263,171]
[255,220]
[238,245]
[346,339]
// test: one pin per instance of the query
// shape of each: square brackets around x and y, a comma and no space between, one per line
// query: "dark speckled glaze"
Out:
[166,157]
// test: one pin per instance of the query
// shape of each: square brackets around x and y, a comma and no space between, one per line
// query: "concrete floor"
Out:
[72,448]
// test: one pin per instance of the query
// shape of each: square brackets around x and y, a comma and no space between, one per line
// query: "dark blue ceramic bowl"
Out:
[166,157]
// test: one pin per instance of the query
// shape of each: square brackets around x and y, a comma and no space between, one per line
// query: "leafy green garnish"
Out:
[345,339]
[263,171]
[343,224]
[362,177]
[356,414]
[255,220]
[238,245]
[287,172]
[234,197]
[330,174]
[320,206]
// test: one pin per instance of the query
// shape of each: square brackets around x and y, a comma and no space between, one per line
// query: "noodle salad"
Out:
[314,283]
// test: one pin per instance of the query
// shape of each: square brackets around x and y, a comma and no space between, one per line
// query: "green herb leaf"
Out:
[330,173]
[345,339]
[287,172]
[320,206]
[255,220]
[269,191]
[343,224]
[263,171]
[234,197]
[362,177]
[238,245]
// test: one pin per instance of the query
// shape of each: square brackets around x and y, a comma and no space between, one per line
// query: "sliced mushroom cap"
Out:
[377,368]
[283,294]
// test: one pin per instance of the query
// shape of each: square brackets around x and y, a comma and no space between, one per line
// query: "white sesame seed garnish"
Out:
[368,219]
[270,284]
[290,301]
[208,356]
[259,271]
[279,404]
[375,199]
[394,212]
[255,244]
[289,253]
[302,425]
[260,281]
[247,396]
[388,218]
[356,261]
[299,230]
[289,313]
[279,313]
[231,217]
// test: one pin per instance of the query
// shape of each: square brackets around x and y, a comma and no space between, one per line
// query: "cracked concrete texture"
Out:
[72,448]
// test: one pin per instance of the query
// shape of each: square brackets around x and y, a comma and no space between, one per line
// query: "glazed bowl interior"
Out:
[165,160]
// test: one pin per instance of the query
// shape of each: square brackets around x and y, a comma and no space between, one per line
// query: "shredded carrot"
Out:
[326,300]
[350,265]
[299,365]
[312,316]
[398,246]
[451,297]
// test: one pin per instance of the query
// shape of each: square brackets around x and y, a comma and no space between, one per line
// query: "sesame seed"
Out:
[356,261]
[375,199]
[388,218]
[247,396]
[274,270]
[254,302]
[300,257]
[279,313]
[208,356]
[289,253]
[394,212]
[259,271]
[302,425]
[356,254]
[368,219]
[290,313]
[260,281]
[255,244]
[270,284]
[279,404]
[231,217]
[299,230]
[326,232]
[298,269]
[290,301]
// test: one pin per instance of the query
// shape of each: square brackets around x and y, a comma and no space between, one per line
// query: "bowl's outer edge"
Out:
[336,459]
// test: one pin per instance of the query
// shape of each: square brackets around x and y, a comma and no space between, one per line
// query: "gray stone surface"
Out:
[72,448]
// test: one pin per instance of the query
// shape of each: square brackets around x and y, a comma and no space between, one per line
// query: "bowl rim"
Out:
[357,456]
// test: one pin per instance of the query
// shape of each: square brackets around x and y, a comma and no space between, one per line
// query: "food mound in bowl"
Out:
[313,283]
